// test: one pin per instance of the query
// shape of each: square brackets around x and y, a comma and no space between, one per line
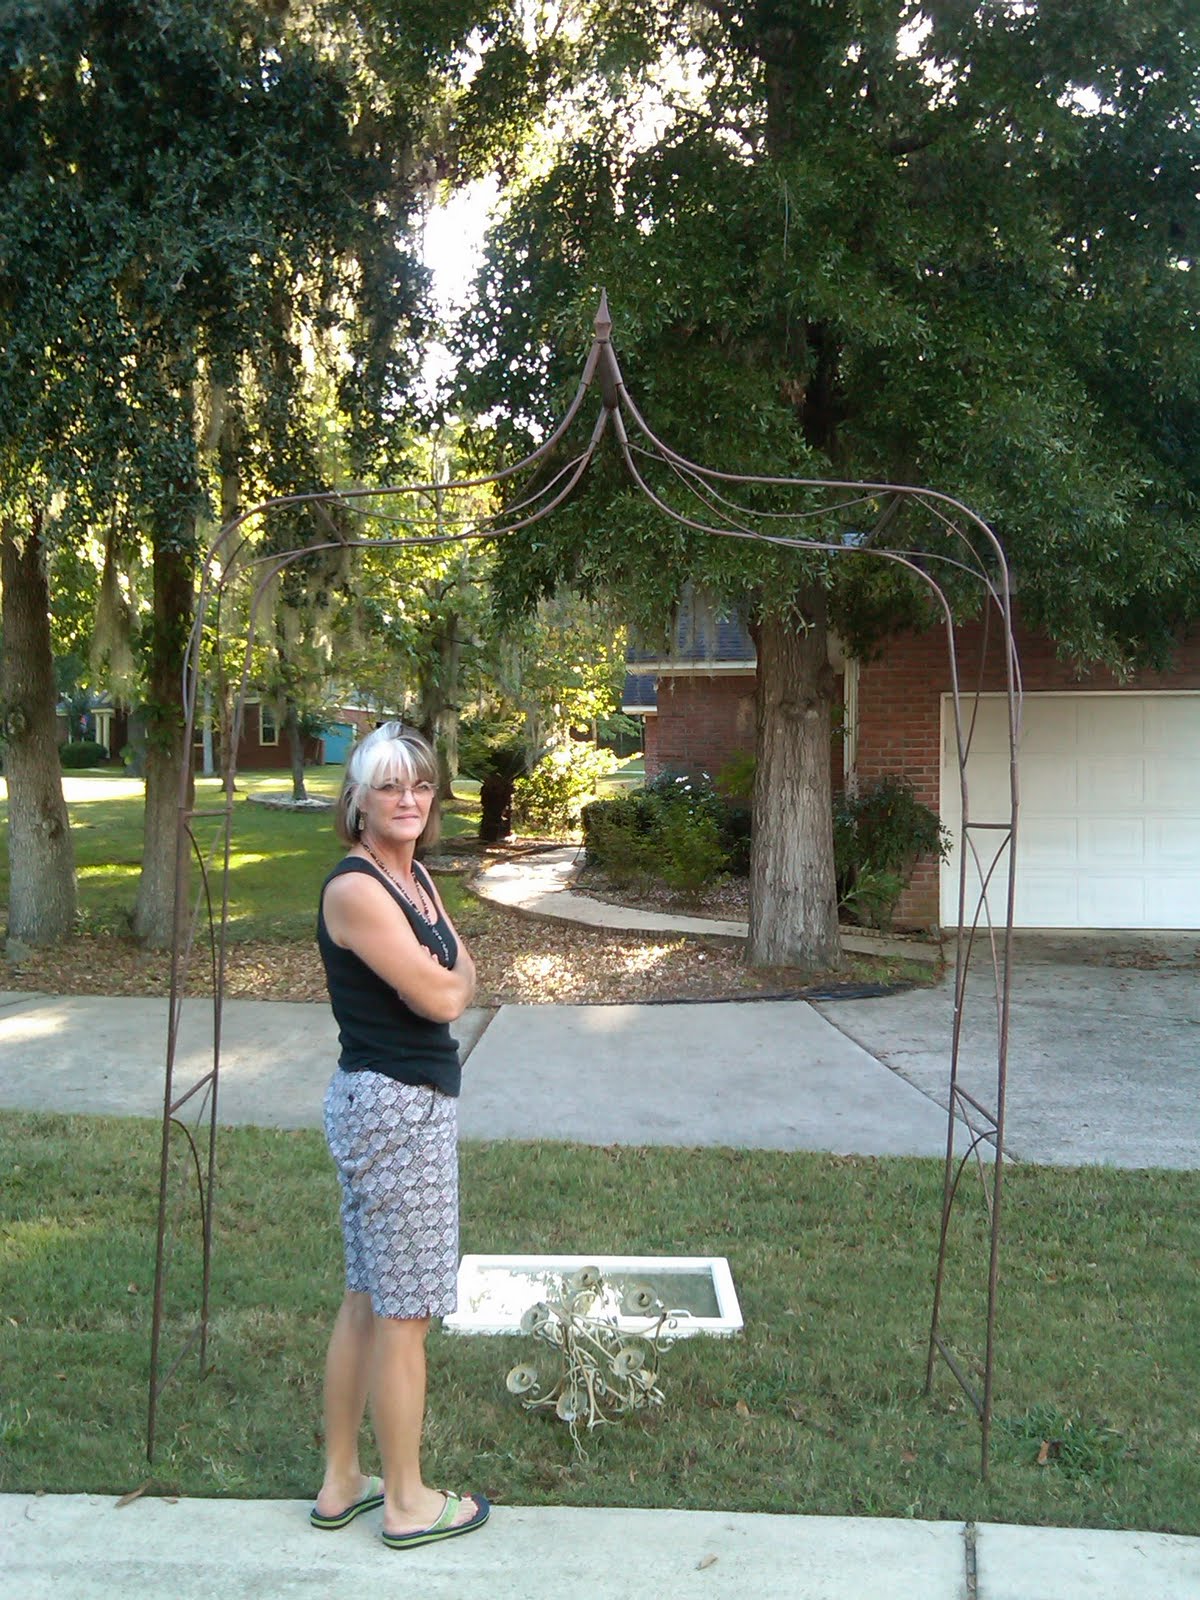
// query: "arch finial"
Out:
[603,317]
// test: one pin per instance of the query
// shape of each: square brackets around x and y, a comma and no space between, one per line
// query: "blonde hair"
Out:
[391,754]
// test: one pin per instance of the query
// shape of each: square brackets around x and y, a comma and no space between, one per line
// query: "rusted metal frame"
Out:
[602,363]
[782,541]
[277,562]
[191,1092]
[693,478]
[979,1106]
[1003,988]
[164,1378]
[342,496]
[964,1383]
[1002,975]
[180,956]
[933,499]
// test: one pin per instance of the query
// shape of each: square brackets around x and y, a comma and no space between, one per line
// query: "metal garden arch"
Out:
[710,505]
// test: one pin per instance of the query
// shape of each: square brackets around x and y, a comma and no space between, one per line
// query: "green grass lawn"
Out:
[278,861]
[816,1408]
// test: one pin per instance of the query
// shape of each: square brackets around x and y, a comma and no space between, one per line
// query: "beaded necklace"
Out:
[424,910]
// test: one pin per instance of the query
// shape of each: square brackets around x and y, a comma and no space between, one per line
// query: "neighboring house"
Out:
[104,721]
[263,744]
[1109,823]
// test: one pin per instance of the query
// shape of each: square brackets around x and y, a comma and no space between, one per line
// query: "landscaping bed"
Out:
[520,960]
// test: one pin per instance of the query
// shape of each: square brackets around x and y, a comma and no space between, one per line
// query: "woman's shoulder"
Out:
[349,878]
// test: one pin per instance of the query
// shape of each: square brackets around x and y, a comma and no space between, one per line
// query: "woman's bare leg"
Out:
[398,1412]
[347,1376]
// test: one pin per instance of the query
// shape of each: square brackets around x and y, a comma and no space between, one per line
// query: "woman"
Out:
[398,975]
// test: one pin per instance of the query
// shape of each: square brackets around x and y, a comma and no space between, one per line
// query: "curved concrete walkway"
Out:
[543,885]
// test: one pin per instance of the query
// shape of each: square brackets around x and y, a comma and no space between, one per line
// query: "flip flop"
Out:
[371,1499]
[445,1526]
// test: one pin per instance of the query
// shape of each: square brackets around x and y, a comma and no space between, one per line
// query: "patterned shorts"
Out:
[396,1149]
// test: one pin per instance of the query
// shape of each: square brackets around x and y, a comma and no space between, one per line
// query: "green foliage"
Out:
[878,834]
[872,896]
[676,829]
[620,836]
[622,733]
[491,746]
[82,753]
[959,254]
[549,800]
[691,853]
[736,778]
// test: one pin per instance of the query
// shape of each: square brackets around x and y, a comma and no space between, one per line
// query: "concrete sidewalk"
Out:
[1104,1067]
[81,1547]
[752,1074]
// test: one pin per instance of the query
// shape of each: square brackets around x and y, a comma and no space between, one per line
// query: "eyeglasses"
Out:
[419,791]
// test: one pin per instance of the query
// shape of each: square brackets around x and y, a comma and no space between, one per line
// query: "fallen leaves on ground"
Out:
[520,960]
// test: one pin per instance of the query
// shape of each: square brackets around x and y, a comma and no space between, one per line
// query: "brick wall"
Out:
[899,714]
[702,722]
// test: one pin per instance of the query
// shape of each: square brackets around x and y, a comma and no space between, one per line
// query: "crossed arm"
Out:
[361,916]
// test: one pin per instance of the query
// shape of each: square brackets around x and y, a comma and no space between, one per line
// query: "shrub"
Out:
[737,821]
[550,799]
[873,897]
[736,778]
[676,829]
[894,827]
[689,848]
[616,839]
[877,836]
[82,753]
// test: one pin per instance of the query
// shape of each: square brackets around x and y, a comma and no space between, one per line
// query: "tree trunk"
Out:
[450,655]
[225,743]
[41,895]
[206,728]
[437,693]
[295,739]
[793,897]
[154,913]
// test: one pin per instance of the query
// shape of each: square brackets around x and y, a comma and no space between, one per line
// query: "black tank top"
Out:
[376,1030]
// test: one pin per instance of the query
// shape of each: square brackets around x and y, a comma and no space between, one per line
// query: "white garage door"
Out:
[1109,830]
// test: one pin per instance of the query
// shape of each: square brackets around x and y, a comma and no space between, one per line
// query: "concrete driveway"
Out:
[1104,1053]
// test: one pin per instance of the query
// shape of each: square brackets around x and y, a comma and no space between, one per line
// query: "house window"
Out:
[268,729]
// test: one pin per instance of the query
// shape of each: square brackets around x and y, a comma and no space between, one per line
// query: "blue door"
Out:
[338,736]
